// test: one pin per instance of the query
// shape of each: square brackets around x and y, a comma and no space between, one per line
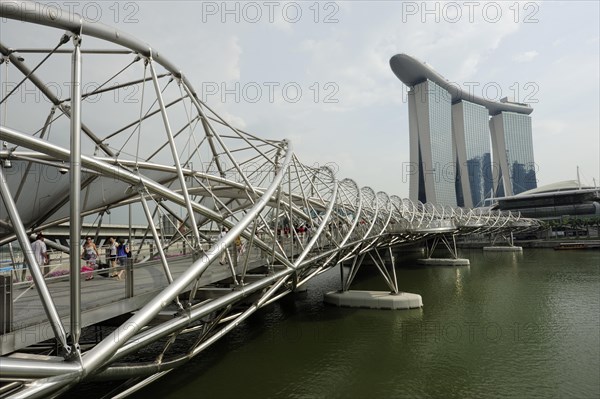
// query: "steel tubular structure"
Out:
[71,158]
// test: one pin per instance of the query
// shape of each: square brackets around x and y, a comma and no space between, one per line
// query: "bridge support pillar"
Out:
[444,262]
[498,248]
[393,299]
[374,299]
[510,240]
[450,246]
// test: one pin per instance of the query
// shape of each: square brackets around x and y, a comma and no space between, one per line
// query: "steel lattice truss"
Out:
[171,151]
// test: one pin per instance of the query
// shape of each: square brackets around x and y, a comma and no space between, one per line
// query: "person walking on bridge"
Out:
[222,260]
[40,253]
[122,255]
[113,245]
[89,254]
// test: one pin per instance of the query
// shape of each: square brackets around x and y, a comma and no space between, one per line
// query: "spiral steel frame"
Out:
[191,159]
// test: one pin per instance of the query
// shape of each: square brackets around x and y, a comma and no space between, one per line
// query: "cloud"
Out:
[527,56]
[361,67]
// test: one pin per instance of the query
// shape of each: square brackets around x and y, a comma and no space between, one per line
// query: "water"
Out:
[509,326]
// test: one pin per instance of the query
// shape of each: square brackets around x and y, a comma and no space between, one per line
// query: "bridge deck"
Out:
[101,298]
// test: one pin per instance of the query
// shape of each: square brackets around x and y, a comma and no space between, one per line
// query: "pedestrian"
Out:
[239,245]
[112,255]
[90,255]
[223,258]
[122,255]
[40,252]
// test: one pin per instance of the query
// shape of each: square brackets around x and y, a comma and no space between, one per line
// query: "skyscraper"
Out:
[449,130]
[431,143]
[513,150]
[472,148]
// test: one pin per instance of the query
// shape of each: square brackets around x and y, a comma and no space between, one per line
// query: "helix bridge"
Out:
[76,154]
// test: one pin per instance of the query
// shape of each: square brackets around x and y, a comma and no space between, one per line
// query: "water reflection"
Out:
[458,284]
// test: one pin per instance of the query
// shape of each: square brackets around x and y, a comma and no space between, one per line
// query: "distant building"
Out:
[450,132]
[472,147]
[513,152]
[431,144]
[566,199]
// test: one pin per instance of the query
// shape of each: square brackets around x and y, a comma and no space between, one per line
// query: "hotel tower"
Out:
[463,148]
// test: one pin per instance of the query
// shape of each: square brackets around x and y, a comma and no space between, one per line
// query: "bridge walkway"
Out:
[102,298]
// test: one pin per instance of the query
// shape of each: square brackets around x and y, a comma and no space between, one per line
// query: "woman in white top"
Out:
[112,255]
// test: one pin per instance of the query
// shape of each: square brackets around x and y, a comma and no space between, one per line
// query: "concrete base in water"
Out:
[374,299]
[503,249]
[444,262]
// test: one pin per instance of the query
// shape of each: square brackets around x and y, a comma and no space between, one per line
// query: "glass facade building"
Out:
[473,154]
[512,135]
[440,133]
[519,151]
[463,148]
[430,107]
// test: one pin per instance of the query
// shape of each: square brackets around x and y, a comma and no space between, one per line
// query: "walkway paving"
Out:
[101,298]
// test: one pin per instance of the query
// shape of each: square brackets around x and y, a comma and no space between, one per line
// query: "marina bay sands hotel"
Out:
[450,135]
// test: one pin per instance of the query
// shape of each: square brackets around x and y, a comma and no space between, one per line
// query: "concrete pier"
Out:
[503,249]
[444,262]
[374,299]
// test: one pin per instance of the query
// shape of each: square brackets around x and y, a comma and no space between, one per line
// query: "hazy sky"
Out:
[318,73]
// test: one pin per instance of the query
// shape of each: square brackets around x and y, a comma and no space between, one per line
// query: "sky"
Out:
[318,73]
